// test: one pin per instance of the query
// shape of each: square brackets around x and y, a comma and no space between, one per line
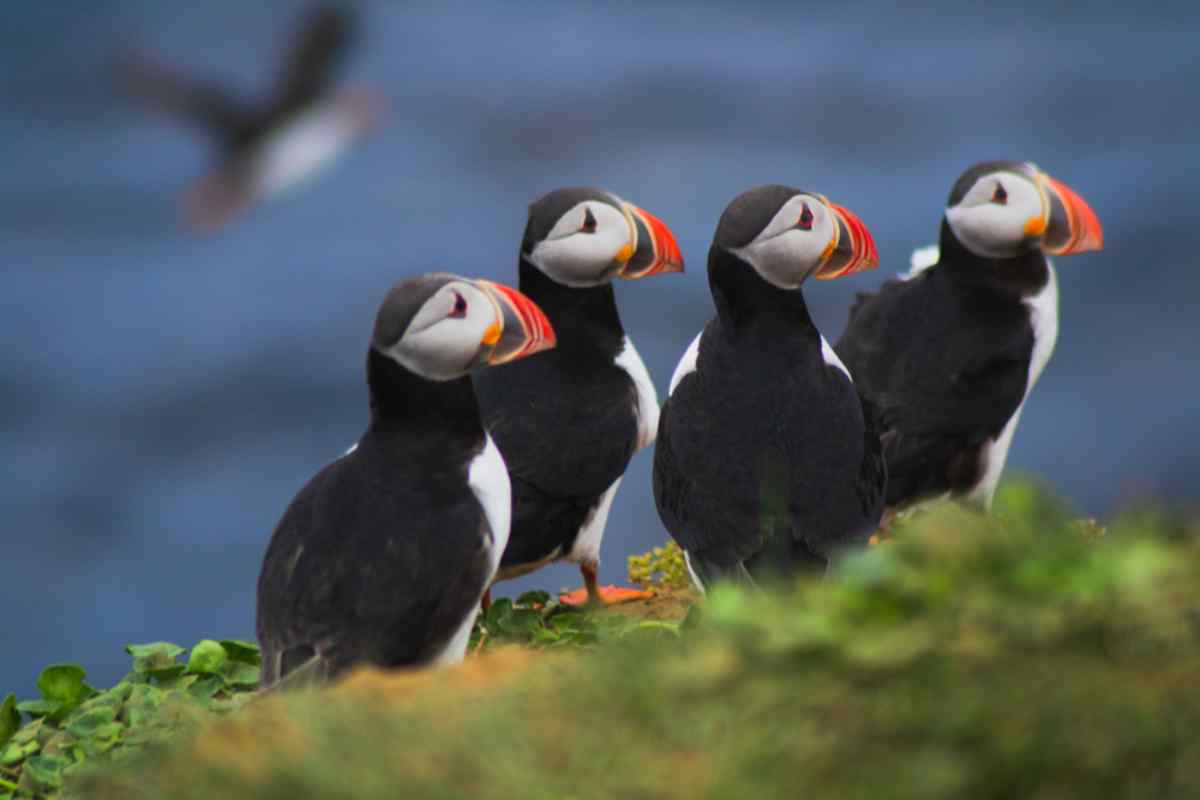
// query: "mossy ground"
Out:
[1019,656]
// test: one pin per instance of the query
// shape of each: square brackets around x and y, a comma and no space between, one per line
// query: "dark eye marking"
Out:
[1000,196]
[460,307]
[589,221]
[806,219]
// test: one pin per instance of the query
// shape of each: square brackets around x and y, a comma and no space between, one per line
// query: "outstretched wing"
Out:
[324,39]
[195,102]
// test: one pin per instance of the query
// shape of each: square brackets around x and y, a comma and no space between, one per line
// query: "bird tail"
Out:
[215,200]
[706,572]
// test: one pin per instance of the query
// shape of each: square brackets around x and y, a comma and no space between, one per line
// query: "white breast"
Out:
[687,364]
[456,648]
[831,358]
[301,147]
[488,478]
[647,398]
[1043,316]
[586,548]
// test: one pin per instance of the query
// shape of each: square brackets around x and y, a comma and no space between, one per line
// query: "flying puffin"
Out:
[268,147]
[569,421]
[767,461]
[949,353]
[383,556]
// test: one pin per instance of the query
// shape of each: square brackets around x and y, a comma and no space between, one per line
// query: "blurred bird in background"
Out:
[270,146]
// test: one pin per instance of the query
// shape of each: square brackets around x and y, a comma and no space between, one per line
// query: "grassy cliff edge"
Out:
[1017,656]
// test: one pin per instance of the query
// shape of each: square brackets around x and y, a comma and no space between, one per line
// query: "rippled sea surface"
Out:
[163,395]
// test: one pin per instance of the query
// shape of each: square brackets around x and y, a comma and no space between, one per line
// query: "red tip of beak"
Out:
[535,332]
[861,246]
[667,257]
[1086,233]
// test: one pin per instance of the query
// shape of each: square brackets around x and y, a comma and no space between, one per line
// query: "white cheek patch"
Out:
[442,351]
[992,229]
[577,259]
[786,260]
[783,255]
[439,346]
[987,230]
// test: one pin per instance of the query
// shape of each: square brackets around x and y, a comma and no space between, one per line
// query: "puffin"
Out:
[948,353]
[383,556]
[569,421]
[767,462]
[268,147]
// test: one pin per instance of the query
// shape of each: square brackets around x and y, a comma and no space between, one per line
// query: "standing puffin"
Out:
[569,421]
[767,461]
[949,353]
[269,147]
[382,557]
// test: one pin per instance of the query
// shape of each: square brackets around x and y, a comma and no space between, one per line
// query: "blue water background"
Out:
[163,395]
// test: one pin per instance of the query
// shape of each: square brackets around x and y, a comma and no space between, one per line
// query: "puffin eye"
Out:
[1000,196]
[589,221]
[806,219]
[460,307]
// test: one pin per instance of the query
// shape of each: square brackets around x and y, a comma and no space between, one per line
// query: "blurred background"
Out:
[164,393]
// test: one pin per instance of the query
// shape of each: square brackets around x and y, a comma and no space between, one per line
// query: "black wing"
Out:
[943,375]
[324,39]
[195,102]
[873,478]
[932,437]
[355,573]
[691,481]
[564,424]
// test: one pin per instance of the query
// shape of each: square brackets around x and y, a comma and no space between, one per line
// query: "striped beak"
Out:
[655,250]
[852,251]
[1072,226]
[520,329]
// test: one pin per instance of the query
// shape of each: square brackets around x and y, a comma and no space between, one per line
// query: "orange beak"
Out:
[657,251]
[855,248]
[1073,226]
[521,328]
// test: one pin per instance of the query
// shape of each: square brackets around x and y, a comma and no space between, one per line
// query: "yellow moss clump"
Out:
[661,567]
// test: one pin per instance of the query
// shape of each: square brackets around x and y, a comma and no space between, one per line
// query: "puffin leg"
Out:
[592,594]
[884,532]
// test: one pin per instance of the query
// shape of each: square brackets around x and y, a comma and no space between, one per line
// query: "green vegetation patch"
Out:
[72,724]
[538,621]
[1016,656]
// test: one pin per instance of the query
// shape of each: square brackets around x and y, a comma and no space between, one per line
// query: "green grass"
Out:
[537,621]
[1025,655]
[73,724]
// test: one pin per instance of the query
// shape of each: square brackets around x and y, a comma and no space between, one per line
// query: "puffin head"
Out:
[441,326]
[788,234]
[1001,209]
[582,237]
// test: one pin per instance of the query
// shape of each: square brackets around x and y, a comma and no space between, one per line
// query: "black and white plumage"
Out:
[949,353]
[268,147]
[382,557]
[766,460]
[568,422]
